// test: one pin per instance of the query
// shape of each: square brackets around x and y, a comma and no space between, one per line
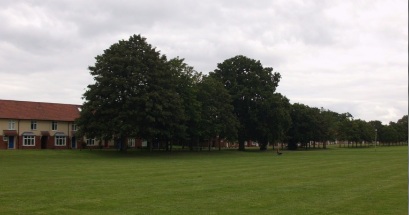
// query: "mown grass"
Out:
[332,181]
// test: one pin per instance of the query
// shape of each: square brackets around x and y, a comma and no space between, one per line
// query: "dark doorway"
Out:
[44,142]
[73,143]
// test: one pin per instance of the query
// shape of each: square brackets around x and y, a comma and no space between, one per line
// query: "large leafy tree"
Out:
[313,124]
[329,124]
[361,131]
[344,127]
[249,84]
[401,126]
[134,94]
[217,117]
[304,125]
[273,120]
[186,86]
[209,113]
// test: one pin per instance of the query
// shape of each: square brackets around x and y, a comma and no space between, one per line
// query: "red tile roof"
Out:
[10,109]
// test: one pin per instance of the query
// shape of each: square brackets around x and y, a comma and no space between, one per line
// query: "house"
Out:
[37,125]
[40,125]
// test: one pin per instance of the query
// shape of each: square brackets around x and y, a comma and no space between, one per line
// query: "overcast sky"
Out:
[343,55]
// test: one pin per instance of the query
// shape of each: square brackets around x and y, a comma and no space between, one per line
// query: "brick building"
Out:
[37,125]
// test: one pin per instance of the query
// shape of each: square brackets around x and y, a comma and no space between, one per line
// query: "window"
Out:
[90,142]
[60,140]
[54,125]
[74,127]
[131,142]
[12,125]
[33,124]
[29,140]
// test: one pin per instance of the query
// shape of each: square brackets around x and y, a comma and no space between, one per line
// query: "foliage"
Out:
[273,120]
[186,87]
[252,88]
[134,94]
[392,133]
[138,93]
[217,116]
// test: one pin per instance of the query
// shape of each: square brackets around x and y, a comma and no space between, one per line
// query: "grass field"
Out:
[332,181]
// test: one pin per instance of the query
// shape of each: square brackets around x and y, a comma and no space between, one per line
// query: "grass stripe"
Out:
[332,181]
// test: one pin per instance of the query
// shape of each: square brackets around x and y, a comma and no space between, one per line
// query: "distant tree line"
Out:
[310,124]
[138,92]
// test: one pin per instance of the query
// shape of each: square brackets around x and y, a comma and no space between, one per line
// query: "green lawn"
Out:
[332,181]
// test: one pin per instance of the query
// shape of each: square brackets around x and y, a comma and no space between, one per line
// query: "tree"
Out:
[329,125]
[344,127]
[249,84]
[304,125]
[361,131]
[389,135]
[207,105]
[134,95]
[401,127]
[273,120]
[186,86]
[218,119]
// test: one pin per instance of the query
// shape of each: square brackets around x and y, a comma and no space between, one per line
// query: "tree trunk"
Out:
[263,146]
[241,139]
[241,145]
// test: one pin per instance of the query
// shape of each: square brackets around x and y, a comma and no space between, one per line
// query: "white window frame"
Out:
[54,125]
[90,142]
[60,140]
[29,140]
[12,125]
[33,124]
[74,127]
[5,138]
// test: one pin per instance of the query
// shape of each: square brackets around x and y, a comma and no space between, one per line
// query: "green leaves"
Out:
[252,88]
[139,93]
[134,93]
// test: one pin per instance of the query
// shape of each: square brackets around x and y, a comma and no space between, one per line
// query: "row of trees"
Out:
[138,92]
[321,125]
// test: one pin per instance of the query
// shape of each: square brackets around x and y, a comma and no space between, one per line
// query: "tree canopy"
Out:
[252,88]
[134,94]
[139,93]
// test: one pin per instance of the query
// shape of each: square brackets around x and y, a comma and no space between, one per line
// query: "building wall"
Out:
[4,124]
[22,126]
[3,144]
